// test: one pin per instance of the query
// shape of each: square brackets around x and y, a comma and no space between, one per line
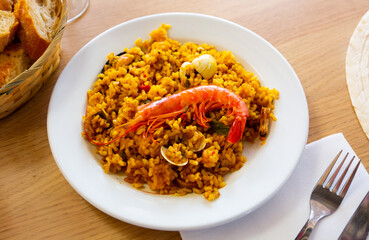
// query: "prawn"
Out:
[202,98]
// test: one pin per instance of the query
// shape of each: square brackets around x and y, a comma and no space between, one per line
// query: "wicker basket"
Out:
[22,88]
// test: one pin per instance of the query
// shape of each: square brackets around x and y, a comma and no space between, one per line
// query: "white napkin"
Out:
[283,216]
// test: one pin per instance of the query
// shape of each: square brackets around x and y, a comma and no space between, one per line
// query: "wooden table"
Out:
[36,202]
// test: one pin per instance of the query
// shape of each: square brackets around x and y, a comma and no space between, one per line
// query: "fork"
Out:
[323,200]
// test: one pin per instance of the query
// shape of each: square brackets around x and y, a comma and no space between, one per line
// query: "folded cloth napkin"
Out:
[283,216]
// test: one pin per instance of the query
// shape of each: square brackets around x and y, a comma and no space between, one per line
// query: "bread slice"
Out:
[8,27]
[6,5]
[38,20]
[13,61]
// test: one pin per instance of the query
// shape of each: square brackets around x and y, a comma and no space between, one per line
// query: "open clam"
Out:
[196,146]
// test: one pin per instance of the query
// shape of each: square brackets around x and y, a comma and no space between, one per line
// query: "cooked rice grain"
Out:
[148,72]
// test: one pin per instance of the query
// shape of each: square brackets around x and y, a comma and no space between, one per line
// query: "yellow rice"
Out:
[116,95]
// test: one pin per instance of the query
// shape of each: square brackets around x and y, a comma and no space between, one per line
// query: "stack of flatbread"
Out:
[357,71]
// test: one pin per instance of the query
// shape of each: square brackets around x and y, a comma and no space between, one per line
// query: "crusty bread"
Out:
[13,61]
[6,5]
[38,19]
[8,27]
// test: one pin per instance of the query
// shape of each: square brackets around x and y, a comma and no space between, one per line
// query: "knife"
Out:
[357,228]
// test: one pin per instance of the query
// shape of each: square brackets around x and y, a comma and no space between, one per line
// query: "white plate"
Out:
[268,166]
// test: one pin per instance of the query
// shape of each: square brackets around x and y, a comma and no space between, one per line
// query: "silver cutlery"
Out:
[326,198]
[358,226]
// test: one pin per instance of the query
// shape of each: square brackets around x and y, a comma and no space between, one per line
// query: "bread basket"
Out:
[22,88]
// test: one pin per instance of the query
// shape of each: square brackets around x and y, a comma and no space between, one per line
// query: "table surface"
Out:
[36,202]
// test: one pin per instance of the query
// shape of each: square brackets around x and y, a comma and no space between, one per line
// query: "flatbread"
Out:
[357,71]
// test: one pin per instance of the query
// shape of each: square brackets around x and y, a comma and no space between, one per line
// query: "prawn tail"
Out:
[236,130]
